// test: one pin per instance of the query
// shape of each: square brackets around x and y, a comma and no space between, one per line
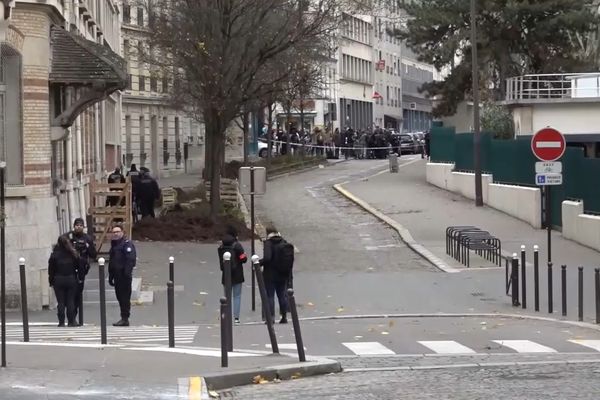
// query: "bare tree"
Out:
[219,51]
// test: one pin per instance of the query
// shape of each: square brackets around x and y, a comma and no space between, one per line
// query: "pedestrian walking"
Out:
[115,177]
[122,259]
[148,193]
[278,262]
[63,268]
[134,176]
[231,244]
[84,245]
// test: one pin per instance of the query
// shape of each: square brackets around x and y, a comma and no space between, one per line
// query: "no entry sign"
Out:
[548,144]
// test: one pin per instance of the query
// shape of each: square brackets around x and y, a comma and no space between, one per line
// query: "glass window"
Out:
[11,117]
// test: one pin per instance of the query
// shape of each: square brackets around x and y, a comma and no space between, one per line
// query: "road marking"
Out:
[548,145]
[368,348]
[525,346]
[446,347]
[64,344]
[193,352]
[592,344]
[285,346]
[195,390]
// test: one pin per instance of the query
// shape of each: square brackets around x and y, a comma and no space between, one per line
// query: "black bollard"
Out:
[171,312]
[265,303]
[506,276]
[102,301]
[536,278]
[580,293]
[514,278]
[296,323]
[224,332]
[172,269]
[523,277]
[24,299]
[597,279]
[550,296]
[229,318]
[563,289]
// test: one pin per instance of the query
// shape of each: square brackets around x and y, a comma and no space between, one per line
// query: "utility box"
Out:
[393,161]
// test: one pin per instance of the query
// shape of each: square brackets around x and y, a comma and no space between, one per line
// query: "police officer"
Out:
[148,193]
[115,177]
[122,259]
[134,175]
[84,245]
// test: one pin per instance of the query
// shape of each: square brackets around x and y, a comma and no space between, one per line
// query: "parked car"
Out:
[407,144]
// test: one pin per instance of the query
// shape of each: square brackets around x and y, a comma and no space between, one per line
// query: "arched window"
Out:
[11,114]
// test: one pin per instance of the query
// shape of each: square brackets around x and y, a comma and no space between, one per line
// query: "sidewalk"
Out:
[65,371]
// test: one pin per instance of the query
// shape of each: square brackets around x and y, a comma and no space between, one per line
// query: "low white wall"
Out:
[521,202]
[580,227]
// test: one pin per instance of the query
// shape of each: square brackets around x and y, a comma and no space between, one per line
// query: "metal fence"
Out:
[553,86]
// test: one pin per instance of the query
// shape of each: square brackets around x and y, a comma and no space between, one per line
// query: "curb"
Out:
[402,231]
[226,380]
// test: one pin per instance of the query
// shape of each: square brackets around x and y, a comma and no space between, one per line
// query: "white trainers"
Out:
[237,321]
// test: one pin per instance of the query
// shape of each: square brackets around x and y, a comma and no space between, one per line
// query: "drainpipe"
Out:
[69,162]
[79,163]
[97,141]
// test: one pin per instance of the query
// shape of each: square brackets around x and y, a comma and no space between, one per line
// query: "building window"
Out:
[165,84]
[126,13]
[142,85]
[177,142]
[129,81]
[153,84]
[140,16]
[142,132]
[11,121]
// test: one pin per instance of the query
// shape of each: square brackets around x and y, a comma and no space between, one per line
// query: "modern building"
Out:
[60,110]
[156,135]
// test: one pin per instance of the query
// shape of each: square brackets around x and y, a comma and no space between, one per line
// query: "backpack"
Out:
[284,257]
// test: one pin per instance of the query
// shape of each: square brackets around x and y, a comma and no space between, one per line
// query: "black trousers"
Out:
[123,292]
[147,208]
[78,300]
[64,289]
[279,287]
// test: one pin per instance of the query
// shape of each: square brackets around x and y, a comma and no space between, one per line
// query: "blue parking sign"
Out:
[541,179]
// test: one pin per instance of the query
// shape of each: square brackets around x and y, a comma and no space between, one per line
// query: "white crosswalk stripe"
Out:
[525,346]
[446,347]
[184,334]
[592,344]
[368,348]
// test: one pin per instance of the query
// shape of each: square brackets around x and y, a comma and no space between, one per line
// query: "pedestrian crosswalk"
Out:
[184,334]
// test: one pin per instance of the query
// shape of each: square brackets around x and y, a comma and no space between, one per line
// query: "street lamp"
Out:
[3,260]
[476,127]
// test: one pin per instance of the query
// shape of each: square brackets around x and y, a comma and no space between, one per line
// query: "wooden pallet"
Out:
[104,217]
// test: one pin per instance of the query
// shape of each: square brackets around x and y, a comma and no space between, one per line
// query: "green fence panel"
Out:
[463,152]
[442,144]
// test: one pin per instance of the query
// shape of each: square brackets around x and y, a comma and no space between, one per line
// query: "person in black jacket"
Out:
[122,259]
[231,244]
[63,267]
[134,175]
[148,192]
[115,177]
[84,245]
[276,281]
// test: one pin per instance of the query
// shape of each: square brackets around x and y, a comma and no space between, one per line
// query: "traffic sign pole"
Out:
[549,220]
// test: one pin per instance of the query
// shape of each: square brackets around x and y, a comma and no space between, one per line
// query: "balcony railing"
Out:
[553,86]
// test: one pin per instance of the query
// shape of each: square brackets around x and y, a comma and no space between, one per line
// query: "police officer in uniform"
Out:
[84,245]
[148,193]
[122,259]
[134,175]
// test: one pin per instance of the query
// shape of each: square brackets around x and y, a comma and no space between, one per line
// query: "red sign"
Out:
[548,144]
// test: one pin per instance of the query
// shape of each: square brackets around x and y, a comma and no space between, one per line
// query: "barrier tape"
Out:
[314,146]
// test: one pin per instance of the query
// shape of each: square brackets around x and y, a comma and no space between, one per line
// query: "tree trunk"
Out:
[208,139]
[288,147]
[245,133]
[215,129]
[269,134]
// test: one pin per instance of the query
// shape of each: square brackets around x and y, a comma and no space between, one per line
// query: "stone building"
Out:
[60,108]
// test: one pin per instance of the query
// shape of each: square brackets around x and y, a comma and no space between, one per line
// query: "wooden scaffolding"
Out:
[104,215]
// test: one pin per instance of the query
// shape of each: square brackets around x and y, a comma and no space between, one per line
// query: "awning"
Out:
[80,63]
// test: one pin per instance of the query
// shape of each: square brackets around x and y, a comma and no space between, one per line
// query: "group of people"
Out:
[363,143]
[69,264]
[145,191]
[277,264]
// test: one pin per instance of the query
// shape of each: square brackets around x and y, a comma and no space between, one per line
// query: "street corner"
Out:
[314,366]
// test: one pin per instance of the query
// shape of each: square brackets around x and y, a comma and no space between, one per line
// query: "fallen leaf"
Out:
[310,304]
[296,375]
[203,293]
[385,333]
[357,337]
[340,309]
[258,379]
[214,394]
[200,304]
[371,329]
[391,324]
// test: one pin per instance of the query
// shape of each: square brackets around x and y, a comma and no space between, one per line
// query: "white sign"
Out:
[256,174]
[548,167]
[548,179]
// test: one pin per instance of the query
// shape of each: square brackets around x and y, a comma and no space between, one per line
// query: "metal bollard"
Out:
[229,319]
[580,293]
[24,299]
[523,277]
[550,295]
[563,288]
[597,279]
[514,277]
[296,323]
[506,276]
[102,284]
[265,303]
[224,332]
[171,312]
[536,278]
[172,269]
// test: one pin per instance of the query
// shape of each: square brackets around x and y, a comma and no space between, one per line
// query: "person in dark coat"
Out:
[275,280]
[231,244]
[148,193]
[63,268]
[115,177]
[84,245]
[134,176]
[122,260]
